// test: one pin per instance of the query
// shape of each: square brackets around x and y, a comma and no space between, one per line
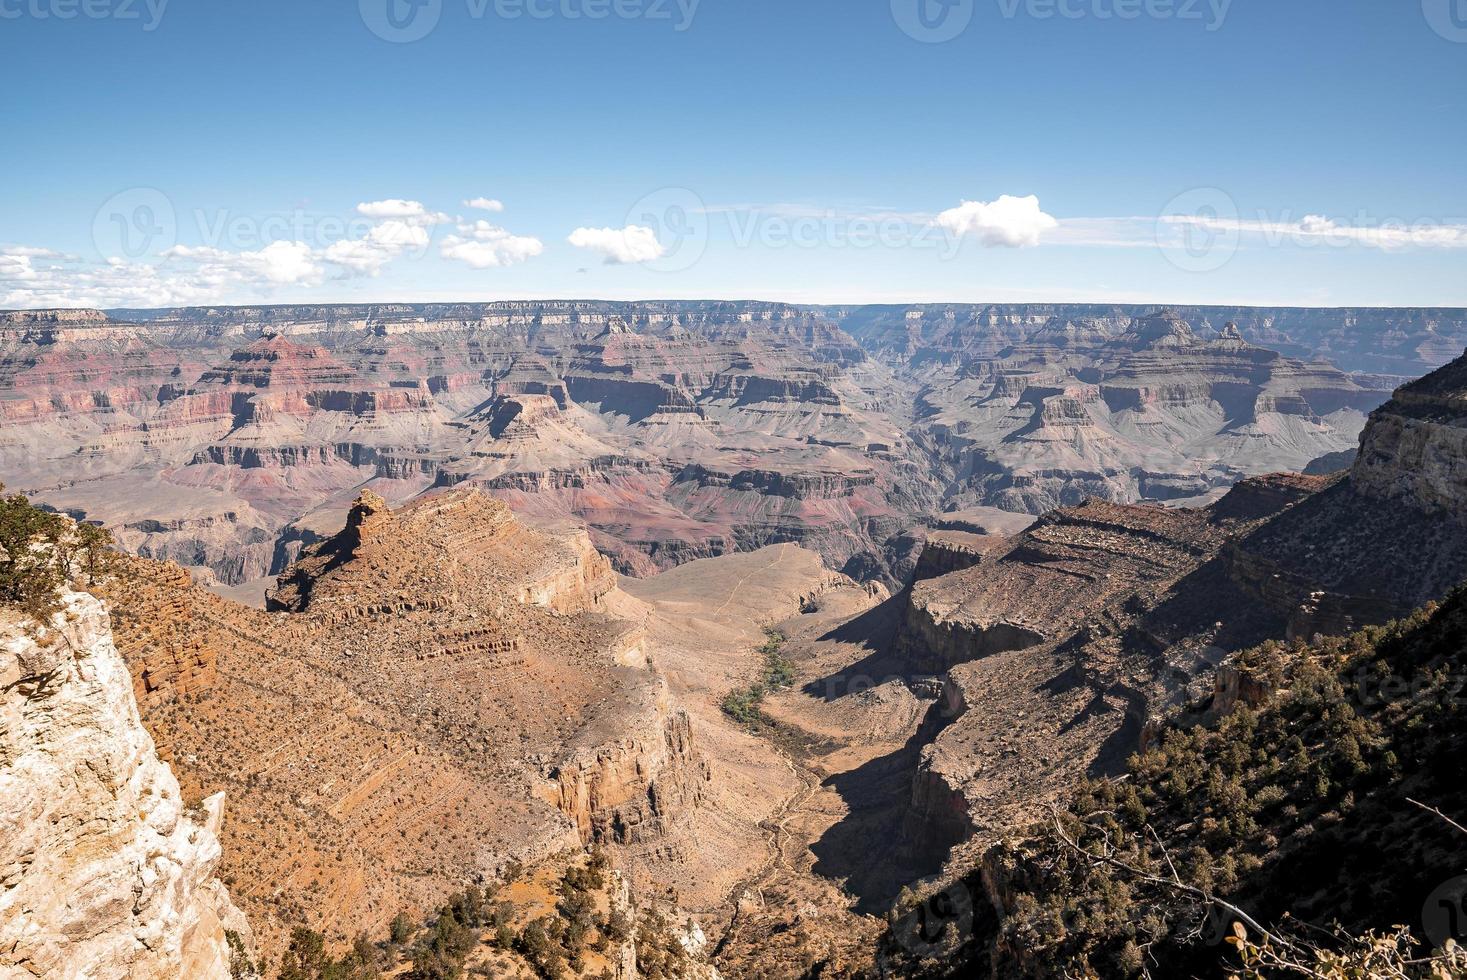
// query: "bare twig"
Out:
[1432,809]
[1178,884]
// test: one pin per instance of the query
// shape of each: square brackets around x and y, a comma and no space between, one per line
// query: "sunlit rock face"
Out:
[229,439]
[104,871]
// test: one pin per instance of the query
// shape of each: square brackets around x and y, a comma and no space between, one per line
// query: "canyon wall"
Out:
[227,438]
[107,872]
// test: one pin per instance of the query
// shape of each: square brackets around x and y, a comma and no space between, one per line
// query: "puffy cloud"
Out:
[620,246]
[114,283]
[412,212]
[484,204]
[383,242]
[15,267]
[482,245]
[1009,222]
[391,208]
[284,262]
[279,263]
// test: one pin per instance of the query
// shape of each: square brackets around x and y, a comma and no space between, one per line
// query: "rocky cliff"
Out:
[1087,635]
[1414,452]
[672,431]
[107,872]
[439,693]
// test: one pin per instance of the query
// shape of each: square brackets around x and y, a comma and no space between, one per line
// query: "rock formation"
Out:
[229,439]
[108,873]
[1062,649]
[440,691]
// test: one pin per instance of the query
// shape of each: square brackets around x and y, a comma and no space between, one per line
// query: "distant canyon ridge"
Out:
[230,438]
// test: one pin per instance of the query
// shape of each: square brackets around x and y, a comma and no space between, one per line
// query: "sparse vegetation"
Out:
[660,952]
[39,551]
[241,966]
[778,672]
[555,946]
[1244,823]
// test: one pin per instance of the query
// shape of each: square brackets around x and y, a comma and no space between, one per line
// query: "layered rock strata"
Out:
[108,873]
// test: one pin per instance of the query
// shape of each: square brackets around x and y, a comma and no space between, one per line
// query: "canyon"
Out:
[446,596]
[229,439]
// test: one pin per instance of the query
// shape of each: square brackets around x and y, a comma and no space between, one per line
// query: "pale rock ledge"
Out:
[104,873]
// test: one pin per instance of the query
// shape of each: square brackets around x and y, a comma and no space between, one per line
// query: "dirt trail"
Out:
[779,837]
[734,592]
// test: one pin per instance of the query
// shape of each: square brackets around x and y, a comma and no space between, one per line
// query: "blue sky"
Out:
[1263,151]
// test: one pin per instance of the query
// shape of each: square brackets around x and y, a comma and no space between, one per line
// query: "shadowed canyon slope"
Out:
[1081,640]
[227,439]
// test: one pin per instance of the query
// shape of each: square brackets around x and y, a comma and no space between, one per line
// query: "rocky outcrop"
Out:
[106,871]
[1414,452]
[1382,540]
[366,566]
[632,789]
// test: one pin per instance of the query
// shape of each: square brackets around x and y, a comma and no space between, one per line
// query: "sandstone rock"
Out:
[106,872]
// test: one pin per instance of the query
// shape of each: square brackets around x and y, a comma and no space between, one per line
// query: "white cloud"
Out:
[620,246]
[391,208]
[29,251]
[279,263]
[412,212]
[482,245]
[16,268]
[484,204]
[383,242]
[1010,222]
[114,283]
[1314,229]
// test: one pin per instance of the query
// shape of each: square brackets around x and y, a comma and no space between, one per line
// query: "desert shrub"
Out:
[241,967]
[539,946]
[39,551]
[777,672]
[401,929]
[1251,816]
[305,956]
